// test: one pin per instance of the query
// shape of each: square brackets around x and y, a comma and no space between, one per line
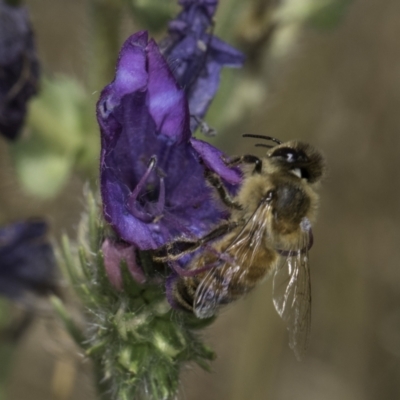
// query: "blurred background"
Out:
[333,81]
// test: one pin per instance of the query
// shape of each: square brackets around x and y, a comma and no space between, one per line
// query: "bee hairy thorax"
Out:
[290,205]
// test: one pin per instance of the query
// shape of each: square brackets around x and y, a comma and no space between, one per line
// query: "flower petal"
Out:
[212,158]
[196,56]
[167,103]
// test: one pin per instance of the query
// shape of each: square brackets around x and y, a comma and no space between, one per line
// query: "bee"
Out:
[269,231]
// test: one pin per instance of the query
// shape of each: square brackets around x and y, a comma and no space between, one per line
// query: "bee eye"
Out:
[289,155]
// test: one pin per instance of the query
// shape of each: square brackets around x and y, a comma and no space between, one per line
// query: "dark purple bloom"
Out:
[196,56]
[152,171]
[26,260]
[19,68]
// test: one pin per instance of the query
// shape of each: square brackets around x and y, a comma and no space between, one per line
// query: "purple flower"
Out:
[19,68]
[196,56]
[26,260]
[151,170]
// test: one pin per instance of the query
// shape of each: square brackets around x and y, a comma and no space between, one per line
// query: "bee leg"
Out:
[180,247]
[226,198]
[175,250]
[180,293]
[217,232]
[246,159]
[191,272]
[205,129]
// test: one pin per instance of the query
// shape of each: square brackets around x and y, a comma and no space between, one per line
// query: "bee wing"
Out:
[212,291]
[292,294]
[216,287]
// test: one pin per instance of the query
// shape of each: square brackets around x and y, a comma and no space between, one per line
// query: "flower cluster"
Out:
[19,68]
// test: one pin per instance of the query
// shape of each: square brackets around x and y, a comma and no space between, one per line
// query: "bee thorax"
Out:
[290,206]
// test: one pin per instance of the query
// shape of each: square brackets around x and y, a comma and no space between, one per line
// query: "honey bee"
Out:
[269,231]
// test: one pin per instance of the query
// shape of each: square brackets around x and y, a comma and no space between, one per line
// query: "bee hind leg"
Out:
[178,295]
[180,247]
[191,272]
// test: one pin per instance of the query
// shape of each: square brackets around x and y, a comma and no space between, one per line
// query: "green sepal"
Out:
[69,324]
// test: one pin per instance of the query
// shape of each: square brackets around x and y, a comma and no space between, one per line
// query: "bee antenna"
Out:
[263,137]
[268,146]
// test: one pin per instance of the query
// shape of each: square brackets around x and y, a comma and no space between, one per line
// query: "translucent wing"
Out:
[292,293]
[214,289]
[222,284]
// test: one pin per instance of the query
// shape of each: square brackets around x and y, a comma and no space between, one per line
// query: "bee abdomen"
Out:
[224,284]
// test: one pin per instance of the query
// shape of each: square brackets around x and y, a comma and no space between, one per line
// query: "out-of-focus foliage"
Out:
[328,16]
[267,31]
[60,135]
[152,15]
[5,348]
[320,13]
[4,316]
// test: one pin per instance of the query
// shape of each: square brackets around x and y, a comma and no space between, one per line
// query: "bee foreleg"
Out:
[223,193]
[245,159]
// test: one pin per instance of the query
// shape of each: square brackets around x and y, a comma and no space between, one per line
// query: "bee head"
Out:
[300,159]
